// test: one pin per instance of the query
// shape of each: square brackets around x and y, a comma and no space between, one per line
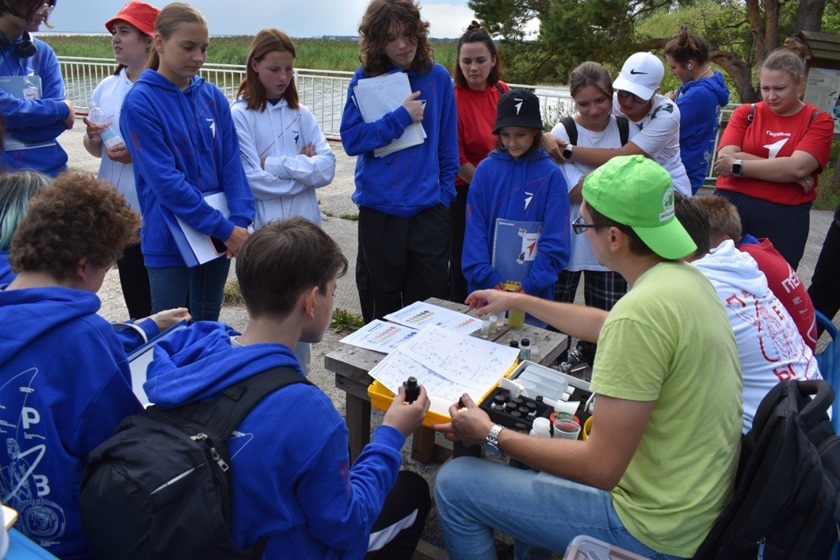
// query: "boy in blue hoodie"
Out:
[65,384]
[292,478]
[404,229]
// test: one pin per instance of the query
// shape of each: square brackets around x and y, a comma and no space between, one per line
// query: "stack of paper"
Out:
[376,97]
[447,364]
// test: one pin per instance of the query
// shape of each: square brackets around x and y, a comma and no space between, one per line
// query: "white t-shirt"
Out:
[769,344]
[582,257]
[109,95]
[658,135]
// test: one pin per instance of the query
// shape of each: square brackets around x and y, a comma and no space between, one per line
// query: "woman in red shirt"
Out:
[771,153]
[478,87]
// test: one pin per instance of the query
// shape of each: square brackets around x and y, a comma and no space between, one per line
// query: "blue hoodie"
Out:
[64,387]
[531,189]
[699,102]
[292,480]
[409,181]
[184,146]
[6,272]
[36,122]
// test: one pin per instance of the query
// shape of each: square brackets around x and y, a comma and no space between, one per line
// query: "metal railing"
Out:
[324,92]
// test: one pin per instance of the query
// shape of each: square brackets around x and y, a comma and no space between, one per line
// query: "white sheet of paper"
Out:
[419,314]
[380,336]
[201,244]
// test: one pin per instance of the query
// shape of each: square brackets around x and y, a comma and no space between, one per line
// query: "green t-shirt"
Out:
[669,340]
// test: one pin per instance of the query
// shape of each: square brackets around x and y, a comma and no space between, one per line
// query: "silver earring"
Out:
[690,67]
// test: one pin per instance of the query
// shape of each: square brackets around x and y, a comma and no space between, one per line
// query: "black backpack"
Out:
[785,504]
[571,129]
[160,487]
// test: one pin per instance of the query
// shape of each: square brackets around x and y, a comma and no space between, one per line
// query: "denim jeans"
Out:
[205,283]
[541,512]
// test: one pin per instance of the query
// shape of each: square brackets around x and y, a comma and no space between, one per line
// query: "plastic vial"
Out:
[494,323]
[541,427]
[110,137]
[485,327]
[524,350]
[412,390]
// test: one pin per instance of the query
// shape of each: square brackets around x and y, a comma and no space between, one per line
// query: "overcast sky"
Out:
[298,18]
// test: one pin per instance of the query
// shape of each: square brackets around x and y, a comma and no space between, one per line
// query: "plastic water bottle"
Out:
[110,137]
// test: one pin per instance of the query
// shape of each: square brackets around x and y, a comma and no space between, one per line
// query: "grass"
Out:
[320,54]
[351,217]
[232,295]
[343,320]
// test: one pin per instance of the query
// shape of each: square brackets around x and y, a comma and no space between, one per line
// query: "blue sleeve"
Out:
[341,503]
[359,137]
[476,260]
[696,109]
[50,111]
[448,157]
[553,247]
[130,338]
[155,160]
[232,178]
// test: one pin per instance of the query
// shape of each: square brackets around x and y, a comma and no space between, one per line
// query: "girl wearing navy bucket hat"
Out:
[131,38]
[517,234]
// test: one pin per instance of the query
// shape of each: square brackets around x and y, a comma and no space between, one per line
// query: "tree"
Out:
[742,32]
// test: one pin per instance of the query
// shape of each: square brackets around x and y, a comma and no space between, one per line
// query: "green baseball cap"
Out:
[637,192]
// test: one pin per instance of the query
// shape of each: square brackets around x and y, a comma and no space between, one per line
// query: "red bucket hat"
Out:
[139,14]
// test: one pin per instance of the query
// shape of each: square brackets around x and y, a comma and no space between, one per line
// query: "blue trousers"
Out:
[205,284]
[541,512]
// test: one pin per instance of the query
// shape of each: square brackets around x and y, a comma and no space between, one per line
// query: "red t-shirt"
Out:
[476,117]
[772,136]
[787,287]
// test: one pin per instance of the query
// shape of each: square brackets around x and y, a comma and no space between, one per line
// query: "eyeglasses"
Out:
[45,9]
[636,99]
[579,226]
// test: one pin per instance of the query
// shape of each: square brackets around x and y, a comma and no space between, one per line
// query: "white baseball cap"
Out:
[641,75]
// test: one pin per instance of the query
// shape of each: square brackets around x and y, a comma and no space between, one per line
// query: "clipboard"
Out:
[195,247]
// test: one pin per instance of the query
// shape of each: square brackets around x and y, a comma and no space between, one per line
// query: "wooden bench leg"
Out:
[423,445]
[358,424]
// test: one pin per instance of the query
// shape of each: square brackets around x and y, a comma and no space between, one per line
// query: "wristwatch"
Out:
[491,442]
[567,152]
[737,167]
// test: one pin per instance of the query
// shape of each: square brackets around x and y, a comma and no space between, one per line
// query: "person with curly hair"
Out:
[65,383]
[403,197]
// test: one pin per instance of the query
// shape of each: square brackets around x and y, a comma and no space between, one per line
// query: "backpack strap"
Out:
[221,416]
[751,116]
[500,88]
[571,129]
[623,129]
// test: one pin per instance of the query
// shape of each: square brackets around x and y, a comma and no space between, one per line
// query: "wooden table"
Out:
[351,365]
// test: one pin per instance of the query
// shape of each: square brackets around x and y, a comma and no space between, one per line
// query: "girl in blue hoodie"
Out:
[184,146]
[517,182]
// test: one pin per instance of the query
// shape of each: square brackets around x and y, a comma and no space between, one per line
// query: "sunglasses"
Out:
[636,99]
[579,226]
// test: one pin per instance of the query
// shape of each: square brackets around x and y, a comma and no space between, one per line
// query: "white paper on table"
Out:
[419,314]
[380,336]
[447,364]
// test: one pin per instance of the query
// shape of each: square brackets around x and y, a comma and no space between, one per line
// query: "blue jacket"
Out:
[699,102]
[409,181]
[6,273]
[530,189]
[184,146]
[292,479]
[34,122]
[64,387]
